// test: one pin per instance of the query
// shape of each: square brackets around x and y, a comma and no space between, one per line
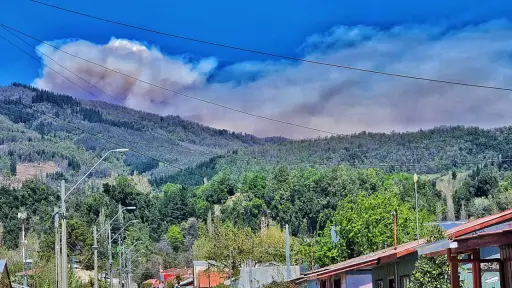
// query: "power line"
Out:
[375,165]
[273,54]
[177,92]
[181,169]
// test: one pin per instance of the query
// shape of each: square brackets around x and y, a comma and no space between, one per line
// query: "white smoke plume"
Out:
[333,99]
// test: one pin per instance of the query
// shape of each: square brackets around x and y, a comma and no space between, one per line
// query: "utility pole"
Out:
[417,218]
[120,209]
[130,269]
[22,216]
[57,246]
[63,195]
[287,242]
[64,244]
[120,252]
[95,248]
[110,256]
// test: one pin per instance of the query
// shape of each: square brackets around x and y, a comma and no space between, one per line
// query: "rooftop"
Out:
[479,224]
[366,261]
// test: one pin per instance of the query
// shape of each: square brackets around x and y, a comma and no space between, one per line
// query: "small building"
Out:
[483,247]
[206,275]
[5,280]
[176,273]
[379,269]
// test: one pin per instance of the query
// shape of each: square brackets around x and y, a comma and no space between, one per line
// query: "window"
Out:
[379,284]
[391,283]
[404,281]
[337,282]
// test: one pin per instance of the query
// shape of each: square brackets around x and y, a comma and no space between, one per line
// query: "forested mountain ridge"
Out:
[431,151]
[254,185]
[66,135]
[184,152]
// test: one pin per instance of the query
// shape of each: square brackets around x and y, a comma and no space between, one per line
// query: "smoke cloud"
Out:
[328,98]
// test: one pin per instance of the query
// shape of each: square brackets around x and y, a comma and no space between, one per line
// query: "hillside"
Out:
[43,126]
[68,139]
[432,151]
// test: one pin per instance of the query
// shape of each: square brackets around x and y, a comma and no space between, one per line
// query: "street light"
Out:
[415,178]
[63,195]
[95,247]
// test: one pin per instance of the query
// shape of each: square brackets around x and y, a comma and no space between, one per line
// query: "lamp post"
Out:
[63,195]
[417,219]
[109,245]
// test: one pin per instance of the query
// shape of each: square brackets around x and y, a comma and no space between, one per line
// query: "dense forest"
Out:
[203,193]
[170,149]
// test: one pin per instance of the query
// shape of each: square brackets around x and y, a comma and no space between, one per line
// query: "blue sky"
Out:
[283,27]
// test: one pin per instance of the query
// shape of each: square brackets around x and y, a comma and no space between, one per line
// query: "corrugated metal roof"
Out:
[478,224]
[368,260]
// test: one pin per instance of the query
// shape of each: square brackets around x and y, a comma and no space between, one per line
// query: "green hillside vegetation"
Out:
[313,186]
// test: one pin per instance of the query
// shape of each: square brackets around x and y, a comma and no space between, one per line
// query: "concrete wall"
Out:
[404,266]
[264,275]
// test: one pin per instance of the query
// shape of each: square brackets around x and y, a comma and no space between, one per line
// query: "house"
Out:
[380,269]
[176,273]
[205,274]
[5,280]
[255,277]
[386,268]
[483,247]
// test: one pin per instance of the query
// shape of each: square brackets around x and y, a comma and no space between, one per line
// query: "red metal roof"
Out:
[493,238]
[152,281]
[478,224]
[366,261]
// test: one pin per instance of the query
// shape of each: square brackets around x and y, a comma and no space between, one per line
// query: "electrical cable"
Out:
[272,54]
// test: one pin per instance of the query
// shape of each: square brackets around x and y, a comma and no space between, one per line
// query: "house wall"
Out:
[404,267]
[351,279]
[312,284]
[358,279]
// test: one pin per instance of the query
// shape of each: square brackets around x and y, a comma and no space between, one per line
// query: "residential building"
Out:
[381,268]
[176,273]
[206,275]
[483,247]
